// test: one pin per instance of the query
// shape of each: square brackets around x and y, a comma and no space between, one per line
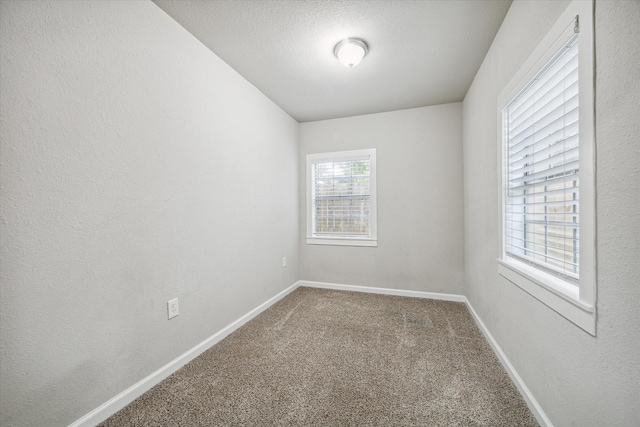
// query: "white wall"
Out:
[420,212]
[136,167]
[577,379]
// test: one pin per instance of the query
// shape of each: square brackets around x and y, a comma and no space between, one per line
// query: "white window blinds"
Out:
[542,168]
[341,197]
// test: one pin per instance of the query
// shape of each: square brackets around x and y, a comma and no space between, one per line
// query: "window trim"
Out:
[337,240]
[577,304]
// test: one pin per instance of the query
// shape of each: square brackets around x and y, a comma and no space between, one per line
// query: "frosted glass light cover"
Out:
[350,52]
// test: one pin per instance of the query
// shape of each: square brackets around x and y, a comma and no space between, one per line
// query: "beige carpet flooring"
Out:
[333,358]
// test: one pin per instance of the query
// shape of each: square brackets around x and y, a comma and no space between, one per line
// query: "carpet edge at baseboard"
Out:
[383,291]
[526,394]
[127,396]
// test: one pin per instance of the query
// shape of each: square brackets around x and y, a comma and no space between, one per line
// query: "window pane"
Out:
[341,198]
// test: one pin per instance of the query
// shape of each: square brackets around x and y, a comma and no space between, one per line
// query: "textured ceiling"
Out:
[420,52]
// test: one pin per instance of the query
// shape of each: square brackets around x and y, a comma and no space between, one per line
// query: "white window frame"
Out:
[575,303]
[343,240]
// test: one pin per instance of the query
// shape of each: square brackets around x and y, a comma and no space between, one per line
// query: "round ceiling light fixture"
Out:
[350,51]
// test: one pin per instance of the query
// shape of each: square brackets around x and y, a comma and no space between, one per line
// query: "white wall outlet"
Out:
[172,308]
[284,261]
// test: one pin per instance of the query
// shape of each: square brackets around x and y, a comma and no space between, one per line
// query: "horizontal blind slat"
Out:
[554,120]
[545,101]
[538,161]
[541,176]
[547,74]
[539,187]
[561,138]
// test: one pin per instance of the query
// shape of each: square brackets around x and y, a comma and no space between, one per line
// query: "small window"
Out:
[548,179]
[341,198]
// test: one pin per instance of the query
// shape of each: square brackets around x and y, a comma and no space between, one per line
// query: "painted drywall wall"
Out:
[578,380]
[420,220]
[136,167]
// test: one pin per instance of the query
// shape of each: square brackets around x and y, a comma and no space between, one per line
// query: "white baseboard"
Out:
[118,402]
[531,402]
[384,291]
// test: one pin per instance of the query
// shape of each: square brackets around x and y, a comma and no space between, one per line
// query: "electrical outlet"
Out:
[172,308]
[284,261]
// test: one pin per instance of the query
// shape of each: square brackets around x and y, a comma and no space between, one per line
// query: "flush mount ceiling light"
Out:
[350,51]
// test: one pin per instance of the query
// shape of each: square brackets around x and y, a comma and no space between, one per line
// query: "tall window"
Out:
[341,198]
[548,170]
[542,168]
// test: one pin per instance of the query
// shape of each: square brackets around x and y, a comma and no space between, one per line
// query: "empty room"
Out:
[319,213]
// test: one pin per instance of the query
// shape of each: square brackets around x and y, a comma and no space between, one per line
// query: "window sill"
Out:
[553,292]
[341,241]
